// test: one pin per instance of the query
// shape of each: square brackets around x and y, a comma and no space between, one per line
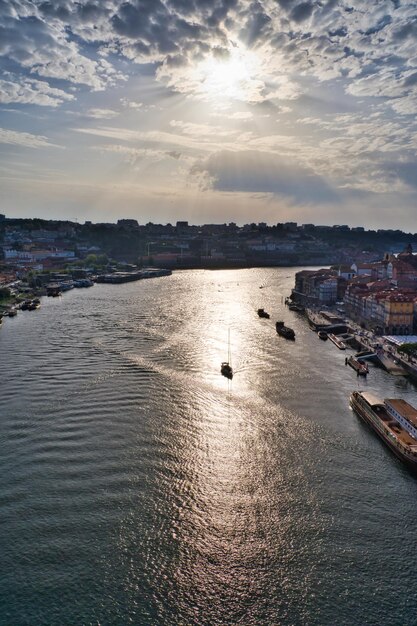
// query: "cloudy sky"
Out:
[210,111]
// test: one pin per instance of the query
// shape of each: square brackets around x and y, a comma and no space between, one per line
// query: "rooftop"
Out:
[403,408]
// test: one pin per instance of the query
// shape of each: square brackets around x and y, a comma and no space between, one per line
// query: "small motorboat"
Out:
[263,313]
[322,335]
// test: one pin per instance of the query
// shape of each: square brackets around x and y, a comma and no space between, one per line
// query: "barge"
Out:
[393,420]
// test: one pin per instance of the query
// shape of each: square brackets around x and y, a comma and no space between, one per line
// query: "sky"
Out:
[210,111]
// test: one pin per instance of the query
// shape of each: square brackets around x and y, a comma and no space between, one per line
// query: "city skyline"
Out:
[211,112]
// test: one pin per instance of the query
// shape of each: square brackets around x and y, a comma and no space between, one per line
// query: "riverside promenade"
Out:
[386,352]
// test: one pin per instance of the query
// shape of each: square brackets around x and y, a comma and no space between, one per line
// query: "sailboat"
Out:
[226,368]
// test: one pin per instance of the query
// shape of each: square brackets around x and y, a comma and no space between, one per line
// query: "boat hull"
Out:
[360,368]
[226,371]
[284,331]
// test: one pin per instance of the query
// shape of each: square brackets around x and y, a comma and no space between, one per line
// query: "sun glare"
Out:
[233,78]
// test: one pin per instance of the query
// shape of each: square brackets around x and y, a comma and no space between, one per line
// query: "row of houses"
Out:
[381,296]
[33,255]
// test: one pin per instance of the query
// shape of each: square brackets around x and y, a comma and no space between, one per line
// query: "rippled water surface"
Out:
[140,486]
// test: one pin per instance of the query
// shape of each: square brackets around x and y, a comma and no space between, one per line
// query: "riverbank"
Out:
[23,297]
[388,356]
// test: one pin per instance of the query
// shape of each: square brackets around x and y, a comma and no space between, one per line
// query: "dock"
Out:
[390,365]
[127,277]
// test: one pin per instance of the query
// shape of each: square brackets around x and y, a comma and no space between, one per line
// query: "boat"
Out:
[284,331]
[337,342]
[263,313]
[33,306]
[360,368]
[393,419]
[296,307]
[12,312]
[323,335]
[226,368]
[83,282]
[66,285]
[53,290]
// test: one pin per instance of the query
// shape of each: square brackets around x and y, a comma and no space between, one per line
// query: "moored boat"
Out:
[284,331]
[53,290]
[394,420]
[323,335]
[337,342]
[360,368]
[293,306]
[263,313]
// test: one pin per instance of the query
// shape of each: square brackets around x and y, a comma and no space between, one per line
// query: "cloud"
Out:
[131,104]
[197,138]
[260,172]
[30,91]
[101,114]
[45,48]
[241,115]
[81,42]
[26,140]
[403,171]
[338,79]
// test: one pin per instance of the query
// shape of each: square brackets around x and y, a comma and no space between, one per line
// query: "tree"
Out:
[410,349]
[4,293]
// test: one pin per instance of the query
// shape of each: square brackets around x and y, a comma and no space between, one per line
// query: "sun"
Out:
[230,78]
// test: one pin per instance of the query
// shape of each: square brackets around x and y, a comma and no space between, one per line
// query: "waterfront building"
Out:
[322,286]
[328,290]
[398,314]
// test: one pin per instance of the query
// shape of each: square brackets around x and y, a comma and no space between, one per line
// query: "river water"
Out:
[139,486]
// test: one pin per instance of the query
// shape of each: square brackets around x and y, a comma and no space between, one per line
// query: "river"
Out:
[139,486]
